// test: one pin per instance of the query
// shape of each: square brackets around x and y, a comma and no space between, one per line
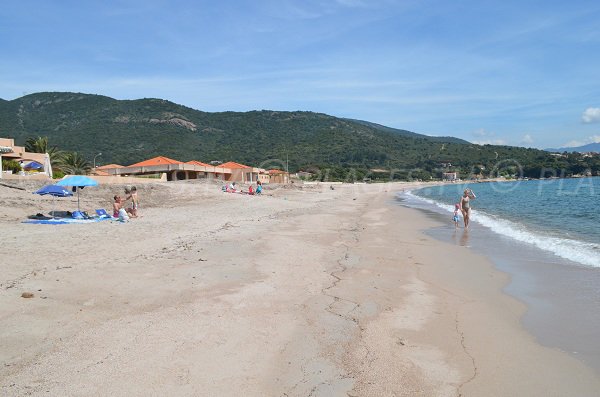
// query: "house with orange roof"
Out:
[212,171]
[9,151]
[156,161]
[98,172]
[109,166]
[278,176]
[175,170]
[263,176]
[242,173]
[196,162]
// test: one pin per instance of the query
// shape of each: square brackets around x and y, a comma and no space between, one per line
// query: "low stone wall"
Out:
[131,180]
[26,177]
[103,180]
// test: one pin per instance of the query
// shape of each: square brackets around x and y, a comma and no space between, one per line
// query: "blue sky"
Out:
[522,73]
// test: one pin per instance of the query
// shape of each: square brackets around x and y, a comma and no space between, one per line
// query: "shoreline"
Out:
[560,294]
[329,292]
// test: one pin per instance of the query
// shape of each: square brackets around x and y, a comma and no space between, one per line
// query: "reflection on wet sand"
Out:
[463,240]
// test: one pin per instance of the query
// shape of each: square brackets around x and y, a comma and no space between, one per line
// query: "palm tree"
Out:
[37,145]
[73,163]
[40,145]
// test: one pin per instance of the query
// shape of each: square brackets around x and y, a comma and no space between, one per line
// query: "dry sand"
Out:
[302,292]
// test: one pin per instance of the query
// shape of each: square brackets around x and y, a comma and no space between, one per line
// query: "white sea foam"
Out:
[577,251]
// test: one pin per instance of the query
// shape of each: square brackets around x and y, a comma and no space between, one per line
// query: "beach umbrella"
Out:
[54,191]
[78,182]
[34,165]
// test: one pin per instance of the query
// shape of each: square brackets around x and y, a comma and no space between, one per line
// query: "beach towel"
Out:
[63,221]
[102,213]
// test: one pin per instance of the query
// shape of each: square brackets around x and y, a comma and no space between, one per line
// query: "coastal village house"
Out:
[242,173]
[246,174]
[263,177]
[449,176]
[178,170]
[160,166]
[278,176]
[8,151]
[175,170]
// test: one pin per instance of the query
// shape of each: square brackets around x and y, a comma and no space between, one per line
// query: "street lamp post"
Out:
[99,154]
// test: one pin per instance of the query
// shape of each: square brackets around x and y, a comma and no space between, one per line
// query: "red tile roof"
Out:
[160,160]
[100,172]
[109,166]
[232,164]
[194,162]
[274,172]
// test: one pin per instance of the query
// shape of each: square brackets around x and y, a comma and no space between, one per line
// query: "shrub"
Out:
[11,165]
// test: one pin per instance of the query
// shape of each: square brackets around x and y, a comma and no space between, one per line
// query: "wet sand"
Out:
[301,292]
[562,297]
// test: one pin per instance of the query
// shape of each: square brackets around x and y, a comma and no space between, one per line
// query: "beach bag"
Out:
[77,215]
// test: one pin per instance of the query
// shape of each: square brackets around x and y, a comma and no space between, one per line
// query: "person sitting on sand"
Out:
[259,188]
[250,190]
[465,205]
[116,206]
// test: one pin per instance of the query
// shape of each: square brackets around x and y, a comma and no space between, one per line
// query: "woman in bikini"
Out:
[465,205]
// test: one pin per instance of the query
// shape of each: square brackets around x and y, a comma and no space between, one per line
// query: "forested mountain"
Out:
[127,131]
[442,139]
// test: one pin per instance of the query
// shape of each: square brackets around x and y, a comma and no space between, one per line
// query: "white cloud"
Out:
[487,138]
[490,142]
[591,115]
[526,140]
[481,133]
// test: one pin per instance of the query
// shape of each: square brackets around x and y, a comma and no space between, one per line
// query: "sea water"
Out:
[561,216]
[546,235]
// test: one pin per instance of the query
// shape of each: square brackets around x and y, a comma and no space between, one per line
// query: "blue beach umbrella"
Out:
[77,181]
[54,191]
[34,165]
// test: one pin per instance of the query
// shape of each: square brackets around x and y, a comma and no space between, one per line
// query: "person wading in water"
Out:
[465,205]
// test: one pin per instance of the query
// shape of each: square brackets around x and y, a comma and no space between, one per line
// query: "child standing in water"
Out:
[455,217]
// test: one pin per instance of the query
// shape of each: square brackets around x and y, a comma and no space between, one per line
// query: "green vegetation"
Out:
[336,149]
[11,165]
[72,163]
[40,145]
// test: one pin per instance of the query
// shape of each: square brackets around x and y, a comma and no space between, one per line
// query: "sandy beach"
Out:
[305,291]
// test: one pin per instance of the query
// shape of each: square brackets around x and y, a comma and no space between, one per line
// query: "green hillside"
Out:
[127,131]
[380,127]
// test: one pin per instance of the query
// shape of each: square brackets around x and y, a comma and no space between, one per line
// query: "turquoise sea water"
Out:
[546,236]
[560,216]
